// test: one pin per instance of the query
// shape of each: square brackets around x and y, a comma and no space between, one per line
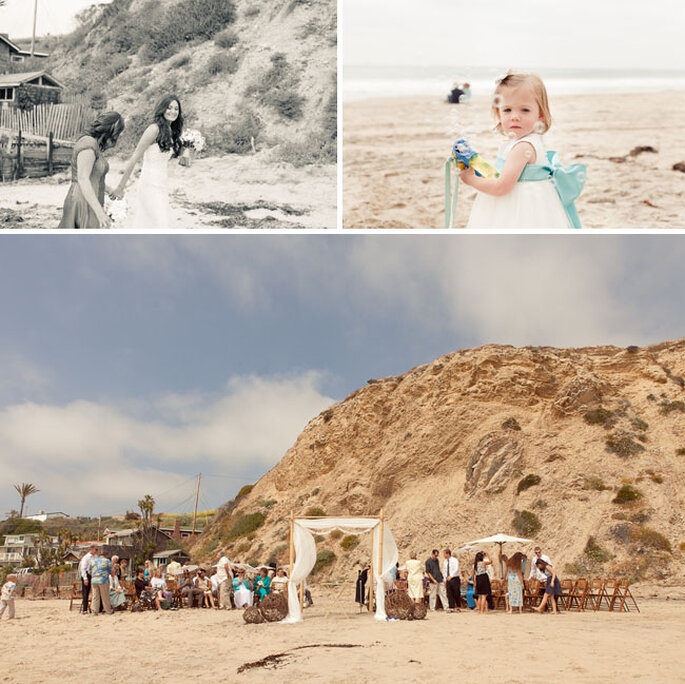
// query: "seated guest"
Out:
[144,591]
[185,586]
[140,582]
[123,569]
[204,585]
[215,583]
[280,582]
[263,584]
[158,584]
[242,590]
[117,596]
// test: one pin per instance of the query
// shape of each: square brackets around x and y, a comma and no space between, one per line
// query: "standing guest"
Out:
[534,570]
[84,572]
[514,581]
[452,580]
[100,570]
[415,578]
[123,569]
[263,584]
[115,565]
[7,593]
[437,582]
[360,585]
[552,586]
[117,596]
[84,203]
[280,582]
[480,564]
[224,576]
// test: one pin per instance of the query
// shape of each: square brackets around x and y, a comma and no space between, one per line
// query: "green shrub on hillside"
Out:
[222,62]
[667,407]
[180,61]
[527,482]
[599,416]
[650,538]
[595,552]
[627,494]
[324,558]
[639,424]
[238,136]
[511,424]
[315,511]
[350,542]
[623,445]
[185,22]
[244,491]
[226,38]
[245,525]
[526,523]
[277,88]
[594,482]
[336,534]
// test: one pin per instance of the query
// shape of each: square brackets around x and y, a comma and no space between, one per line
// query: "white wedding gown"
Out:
[149,206]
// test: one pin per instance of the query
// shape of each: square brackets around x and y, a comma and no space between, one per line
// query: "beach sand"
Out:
[220,192]
[47,643]
[394,153]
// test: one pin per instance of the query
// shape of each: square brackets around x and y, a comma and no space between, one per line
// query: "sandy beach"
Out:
[395,149]
[213,193]
[47,643]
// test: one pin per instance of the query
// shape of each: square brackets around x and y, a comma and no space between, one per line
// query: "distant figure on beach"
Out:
[437,582]
[452,580]
[514,596]
[224,577]
[533,190]
[160,142]
[480,571]
[415,578]
[84,203]
[84,573]
[460,94]
[360,585]
[552,586]
[100,570]
[7,593]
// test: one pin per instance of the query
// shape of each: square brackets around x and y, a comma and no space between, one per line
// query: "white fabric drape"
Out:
[305,556]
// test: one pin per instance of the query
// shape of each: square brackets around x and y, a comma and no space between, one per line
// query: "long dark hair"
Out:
[479,557]
[106,129]
[169,136]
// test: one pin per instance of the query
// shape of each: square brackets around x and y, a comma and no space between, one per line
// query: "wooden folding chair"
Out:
[567,586]
[577,596]
[621,596]
[594,594]
[130,593]
[612,588]
[531,594]
[76,595]
[496,592]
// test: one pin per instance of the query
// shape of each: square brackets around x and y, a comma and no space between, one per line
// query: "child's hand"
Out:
[467,175]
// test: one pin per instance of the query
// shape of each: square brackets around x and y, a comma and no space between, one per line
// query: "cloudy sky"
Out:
[128,364]
[54,16]
[615,34]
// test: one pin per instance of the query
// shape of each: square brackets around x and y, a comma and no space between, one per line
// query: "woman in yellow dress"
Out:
[415,578]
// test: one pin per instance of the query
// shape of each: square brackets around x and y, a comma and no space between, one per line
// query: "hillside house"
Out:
[39,85]
[178,532]
[20,547]
[11,53]
[42,516]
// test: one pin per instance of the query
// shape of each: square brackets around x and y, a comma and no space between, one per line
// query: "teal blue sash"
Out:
[568,181]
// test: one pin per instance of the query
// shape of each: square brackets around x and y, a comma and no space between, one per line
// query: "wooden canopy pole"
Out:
[371,578]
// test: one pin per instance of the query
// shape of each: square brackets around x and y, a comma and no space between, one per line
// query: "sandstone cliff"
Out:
[581,449]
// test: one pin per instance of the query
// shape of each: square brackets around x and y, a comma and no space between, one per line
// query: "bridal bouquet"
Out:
[193,139]
[116,209]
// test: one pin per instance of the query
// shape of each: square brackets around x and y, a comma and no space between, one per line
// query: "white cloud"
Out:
[20,377]
[89,454]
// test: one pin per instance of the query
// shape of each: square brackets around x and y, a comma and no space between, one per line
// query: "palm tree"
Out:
[147,506]
[25,490]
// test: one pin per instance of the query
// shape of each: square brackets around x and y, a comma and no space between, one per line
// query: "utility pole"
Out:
[33,39]
[197,496]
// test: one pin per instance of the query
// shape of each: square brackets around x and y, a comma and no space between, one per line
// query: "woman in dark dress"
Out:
[482,580]
[84,204]
[360,586]
[552,587]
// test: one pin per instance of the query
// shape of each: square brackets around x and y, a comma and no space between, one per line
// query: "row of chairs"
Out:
[579,594]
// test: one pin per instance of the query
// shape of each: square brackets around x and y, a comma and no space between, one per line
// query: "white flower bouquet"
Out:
[193,139]
[116,209]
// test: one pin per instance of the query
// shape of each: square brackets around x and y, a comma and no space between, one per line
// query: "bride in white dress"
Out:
[149,205]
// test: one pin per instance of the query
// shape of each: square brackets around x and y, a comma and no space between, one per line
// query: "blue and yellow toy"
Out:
[463,156]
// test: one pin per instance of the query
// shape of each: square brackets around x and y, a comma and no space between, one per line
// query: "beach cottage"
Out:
[11,53]
[35,87]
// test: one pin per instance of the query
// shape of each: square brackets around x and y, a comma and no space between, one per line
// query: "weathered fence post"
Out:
[50,153]
[19,169]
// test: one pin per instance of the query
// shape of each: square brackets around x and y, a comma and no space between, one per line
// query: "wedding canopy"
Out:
[302,545]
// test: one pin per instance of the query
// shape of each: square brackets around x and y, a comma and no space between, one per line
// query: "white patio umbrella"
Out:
[499,539]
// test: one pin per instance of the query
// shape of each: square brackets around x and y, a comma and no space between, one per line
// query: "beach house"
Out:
[11,53]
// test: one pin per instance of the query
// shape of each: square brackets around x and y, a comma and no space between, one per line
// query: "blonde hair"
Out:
[532,81]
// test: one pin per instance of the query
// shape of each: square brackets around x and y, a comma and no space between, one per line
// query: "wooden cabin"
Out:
[11,53]
[41,87]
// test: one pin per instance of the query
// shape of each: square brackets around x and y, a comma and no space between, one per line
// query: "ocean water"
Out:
[364,82]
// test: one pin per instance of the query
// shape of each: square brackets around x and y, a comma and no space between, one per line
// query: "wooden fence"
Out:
[33,157]
[64,121]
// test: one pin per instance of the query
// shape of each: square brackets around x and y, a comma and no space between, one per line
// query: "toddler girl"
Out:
[530,189]
[9,588]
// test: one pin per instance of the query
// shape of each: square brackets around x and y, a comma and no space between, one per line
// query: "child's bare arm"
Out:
[521,154]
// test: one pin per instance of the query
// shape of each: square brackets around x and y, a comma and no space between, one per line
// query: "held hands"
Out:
[467,175]
[105,221]
[118,192]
